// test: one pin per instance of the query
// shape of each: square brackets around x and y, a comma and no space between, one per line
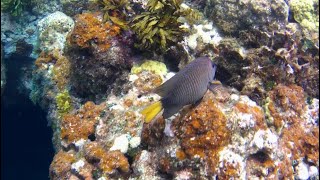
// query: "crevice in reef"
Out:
[25,136]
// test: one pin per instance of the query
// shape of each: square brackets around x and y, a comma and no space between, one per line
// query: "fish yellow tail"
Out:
[151,111]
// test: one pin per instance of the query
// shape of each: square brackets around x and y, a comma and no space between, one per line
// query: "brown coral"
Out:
[301,143]
[203,131]
[44,58]
[90,31]
[61,165]
[287,106]
[61,72]
[147,81]
[255,111]
[286,99]
[152,133]
[81,124]
[108,161]
[61,69]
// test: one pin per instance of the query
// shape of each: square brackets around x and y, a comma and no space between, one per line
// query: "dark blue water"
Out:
[26,148]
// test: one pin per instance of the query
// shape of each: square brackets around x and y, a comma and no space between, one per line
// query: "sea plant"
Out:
[115,11]
[160,26]
[16,7]
[13,7]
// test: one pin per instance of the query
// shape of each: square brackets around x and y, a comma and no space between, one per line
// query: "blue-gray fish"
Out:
[186,87]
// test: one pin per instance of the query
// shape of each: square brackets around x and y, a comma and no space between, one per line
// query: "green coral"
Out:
[63,101]
[152,66]
[160,27]
[306,13]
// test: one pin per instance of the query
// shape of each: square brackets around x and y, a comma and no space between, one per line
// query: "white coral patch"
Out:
[302,171]
[53,31]
[77,165]
[121,143]
[245,120]
[206,32]
[229,157]
[313,171]
[135,142]
[79,144]
[264,139]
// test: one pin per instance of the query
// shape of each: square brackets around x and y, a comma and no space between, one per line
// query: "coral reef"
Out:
[61,164]
[94,74]
[72,8]
[90,32]
[108,161]
[279,57]
[206,32]
[79,125]
[289,113]
[58,64]
[53,30]
[227,135]
[232,17]
[100,60]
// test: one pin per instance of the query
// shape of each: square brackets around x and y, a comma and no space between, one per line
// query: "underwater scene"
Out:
[159,89]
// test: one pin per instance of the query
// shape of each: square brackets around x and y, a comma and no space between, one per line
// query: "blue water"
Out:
[26,148]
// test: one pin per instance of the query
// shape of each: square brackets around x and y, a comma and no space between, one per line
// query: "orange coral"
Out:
[44,58]
[203,131]
[180,154]
[61,69]
[286,99]
[91,31]
[108,160]
[147,81]
[81,124]
[61,164]
[255,111]
[130,117]
[301,143]
[61,72]
[287,106]
[262,169]
[229,171]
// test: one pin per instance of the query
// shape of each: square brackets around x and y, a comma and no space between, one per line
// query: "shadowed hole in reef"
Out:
[261,156]
[26,146]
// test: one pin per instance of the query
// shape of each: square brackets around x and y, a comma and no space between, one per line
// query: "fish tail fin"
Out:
[151,111]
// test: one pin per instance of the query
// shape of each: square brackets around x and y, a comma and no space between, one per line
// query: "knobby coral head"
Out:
[91,32]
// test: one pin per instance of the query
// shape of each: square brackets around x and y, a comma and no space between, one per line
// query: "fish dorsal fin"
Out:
[165,88]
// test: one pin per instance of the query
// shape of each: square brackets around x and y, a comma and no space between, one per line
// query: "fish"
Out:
[186,87]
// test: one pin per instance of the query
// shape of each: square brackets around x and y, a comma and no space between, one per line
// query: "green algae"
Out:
[152,66]
[63,101]
[305,13]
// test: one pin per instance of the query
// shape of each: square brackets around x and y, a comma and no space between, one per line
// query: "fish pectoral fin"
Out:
[213,84]
[171,110]
[197,103]
[216,82]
